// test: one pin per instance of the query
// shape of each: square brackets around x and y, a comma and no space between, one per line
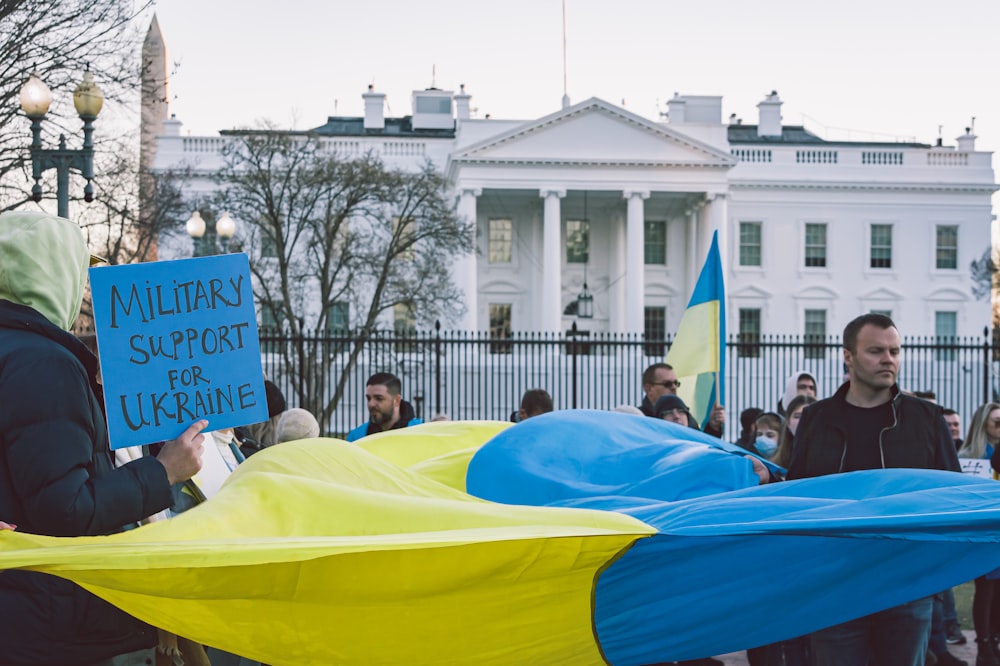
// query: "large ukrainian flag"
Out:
[698,353]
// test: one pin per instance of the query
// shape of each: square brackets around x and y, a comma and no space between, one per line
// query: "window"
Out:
[272,316]
[655,240]
[338,324]
[577,241]
[403,238]
[815,333]
[947,246]
[884,313]
[816,245]
[655,328]
[404,326]
[501,241]
[338,318]
[750,243]
[500,328]
[268,248]
[749,345]
[881,252]
[945,328]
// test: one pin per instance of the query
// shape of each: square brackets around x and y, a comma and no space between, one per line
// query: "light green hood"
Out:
[43,264]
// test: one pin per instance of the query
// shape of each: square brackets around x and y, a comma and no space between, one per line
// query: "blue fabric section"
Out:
[736,565]
[709,286]
[705,392]
[568,455]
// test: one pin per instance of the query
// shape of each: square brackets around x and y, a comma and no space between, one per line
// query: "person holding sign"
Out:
[57,469]
[981,442]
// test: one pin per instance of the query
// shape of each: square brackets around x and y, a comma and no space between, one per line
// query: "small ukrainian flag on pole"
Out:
[698,352]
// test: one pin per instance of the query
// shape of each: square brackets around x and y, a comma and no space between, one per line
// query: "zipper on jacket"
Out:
[895,422]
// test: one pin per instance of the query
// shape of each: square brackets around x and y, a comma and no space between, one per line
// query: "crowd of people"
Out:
[62,479]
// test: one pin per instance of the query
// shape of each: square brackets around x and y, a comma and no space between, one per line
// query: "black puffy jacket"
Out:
[57,477]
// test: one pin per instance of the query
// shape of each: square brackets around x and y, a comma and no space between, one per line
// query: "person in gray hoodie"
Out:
[57,473]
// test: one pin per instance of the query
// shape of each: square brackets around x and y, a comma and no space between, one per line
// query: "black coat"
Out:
[918,438]
[57,477]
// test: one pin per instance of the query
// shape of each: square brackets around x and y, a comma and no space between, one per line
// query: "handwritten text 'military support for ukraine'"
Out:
[190,393]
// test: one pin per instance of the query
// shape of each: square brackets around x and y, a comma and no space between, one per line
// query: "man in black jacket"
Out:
[870,424]
[57,475]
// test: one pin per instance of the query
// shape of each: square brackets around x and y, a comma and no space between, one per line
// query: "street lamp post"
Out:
[225,229]
[35,101]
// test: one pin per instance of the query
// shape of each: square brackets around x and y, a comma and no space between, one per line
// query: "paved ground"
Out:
[966,652]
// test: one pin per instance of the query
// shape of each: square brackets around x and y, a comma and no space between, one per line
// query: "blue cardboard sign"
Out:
[178,342]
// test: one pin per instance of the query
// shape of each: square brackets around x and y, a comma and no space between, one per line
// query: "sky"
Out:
[855,69]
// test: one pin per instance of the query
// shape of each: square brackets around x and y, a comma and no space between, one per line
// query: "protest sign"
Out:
[976,467]
[178,342]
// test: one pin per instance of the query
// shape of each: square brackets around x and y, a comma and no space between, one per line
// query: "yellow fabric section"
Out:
[318,552]
[695,351]
[409,446]
[696,347]
[440,450]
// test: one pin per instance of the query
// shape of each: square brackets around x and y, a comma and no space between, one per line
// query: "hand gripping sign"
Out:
[178,342]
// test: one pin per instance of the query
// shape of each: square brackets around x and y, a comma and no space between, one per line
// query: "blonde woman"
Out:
[984,432]
[980,442]
[787,440]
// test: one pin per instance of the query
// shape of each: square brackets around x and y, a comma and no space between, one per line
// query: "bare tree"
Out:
[323,230]
[983,272]
[131,213]
[59,39]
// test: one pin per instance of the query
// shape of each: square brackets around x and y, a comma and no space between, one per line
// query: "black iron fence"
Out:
[479,376]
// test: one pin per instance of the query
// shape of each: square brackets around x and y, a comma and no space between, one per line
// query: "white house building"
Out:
[813,232]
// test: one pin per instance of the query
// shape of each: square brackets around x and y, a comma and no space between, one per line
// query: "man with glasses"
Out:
[659,380]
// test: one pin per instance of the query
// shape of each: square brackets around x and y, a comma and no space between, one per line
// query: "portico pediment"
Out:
[593,133]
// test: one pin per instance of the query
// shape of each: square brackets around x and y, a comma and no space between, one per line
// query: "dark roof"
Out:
[798,135]
[354,126]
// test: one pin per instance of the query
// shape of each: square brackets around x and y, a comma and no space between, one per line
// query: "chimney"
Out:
[967,142]
[769,122]
[374,109]
[172,126]
[675,110]
[462,103]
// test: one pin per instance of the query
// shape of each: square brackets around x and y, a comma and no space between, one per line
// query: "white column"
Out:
[635,264]
[616,267]
[694,259]
[466,269]
[719,221]
[551,287]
